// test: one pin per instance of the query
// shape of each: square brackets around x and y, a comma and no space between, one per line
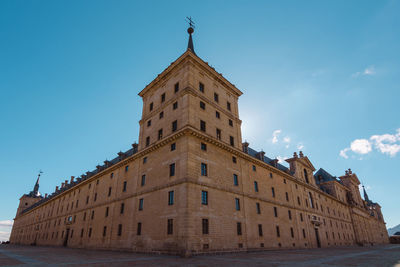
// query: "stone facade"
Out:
[191,186]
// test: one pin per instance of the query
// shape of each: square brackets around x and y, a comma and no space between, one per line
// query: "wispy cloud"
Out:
[275,136]
[6,223]
[386,144]
[5,229]
[281,159]
[300,146]
[367,72]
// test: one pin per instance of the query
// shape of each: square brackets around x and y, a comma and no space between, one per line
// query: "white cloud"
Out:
[5,229]
[281,159]
[368,71]
[300,146]
[275,135]
[6,223]
[286,139]
[385,144]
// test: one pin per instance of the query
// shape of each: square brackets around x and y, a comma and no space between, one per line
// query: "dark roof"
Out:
[100,168]
[323,176]
[267,160]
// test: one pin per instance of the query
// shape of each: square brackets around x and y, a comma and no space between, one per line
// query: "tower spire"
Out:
[35,191]
[366,198]
[190,30]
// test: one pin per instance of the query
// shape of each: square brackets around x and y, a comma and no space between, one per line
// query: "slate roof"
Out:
[325,176]
[267,160]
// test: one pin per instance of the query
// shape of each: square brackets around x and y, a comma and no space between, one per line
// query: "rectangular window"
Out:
[141,204]
[237,203]
[144,160]
[148,123]
[139,228]
[218,134]
[254,168]
[230,122]
[228,106]
[203,146]
[258,208]
[95,198]
[201,87]
[111,175]
[278,234]
[84,216]
[304,233]
[260,231]
[122,208]
[163,98]
[82,232]
[273,191]
[231,140]
[217,115]
[216,98]
[107,209]
[291,232]
[174,126]
[171,198]
[172,169]
[202,126]
[176,87]
[161,115]
[109,191]
[175,105]
[301,216]
[126,168]
[160,133]
[235,180]
[173,146]
[290,214]
[255,186]
[239,228]
[287,196]
[170,226]
[87,201]
[205,226]
[119,229]
[298,201]
[143,182]
[204,197]
[104,231]
[147,140]
[234,159]
[204,169]
[90,232]
[151,106]
[275,211]
[202,105]
[92,217]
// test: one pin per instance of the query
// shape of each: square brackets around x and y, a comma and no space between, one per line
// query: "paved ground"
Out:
[352,256]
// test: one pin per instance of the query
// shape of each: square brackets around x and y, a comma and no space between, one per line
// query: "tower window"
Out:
[148,123]
[122,208]
[161,115]
[126,168]
[290,214]
[124,187]
[234,159]
[217,115]
[143,182]
[144,160]
[203,146]
[104,230]
[201,87]
[171,198]
[170,226]
[291,232]
[160,133]
[141,204]
[228,106]
[107,209]
[237,203]
[218,134]
[151,106]
[205,226]
[216,97]
[139,228]
[172,169]
[231,140]
[147,140]
[235,180]
[275,211]
[287,196]
[176,87]
[230,122]
[255,186]
[175,105]
[278,234]
[202,125]
[204,169]
[163,98]
[202,105]
[273,191]
[239,228]
[204,197]
[306,176]
[174,126]
[260,231]
[258,208]
[173,146]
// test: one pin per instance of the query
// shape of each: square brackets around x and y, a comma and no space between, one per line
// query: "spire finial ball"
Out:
[190,30]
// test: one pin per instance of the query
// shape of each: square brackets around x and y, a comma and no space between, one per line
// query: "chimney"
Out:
[295,155]
[45,195]
[274,162]
[135,147]
[66,182]
[260,155]
[72,179]
[62,185]
[56,188]
[301,154]
[98,167]
[121,154]
[245,147]
[107,163]
[350,172]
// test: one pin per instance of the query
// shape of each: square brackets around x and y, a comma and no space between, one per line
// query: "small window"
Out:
[287,196]
[284,181]
[202,126]
[204,169]
[273,191]
[216,97]
[94,200]
[218,134]
[304,233]
[260,231]
[174,126]
[109,191]
[124,187]
[204,197]
[237,203]
[204,223]
[203,146]
[258,208]
[107,209]
[301,216]
[126,168]
[170,226]
[173,146]
[231,140]
[201,87]
[148,123]
[239,228]
[92,217]
[160,134]
[143,182]
[141,204]
[175,105]
[171,198]
[147,140]
[278,234]
[230,122]
[235,180]
[90,232]
[163,98]
[228,106]
[112,175]
[217,115]
[151,106]
[161,115]
[176,87]
[291,232]
[255,186]
[271,175]
[139,228]
[234,159]
[122,208]
[254,168]
[104,230]
[290,214]
[144,160]
[275,211]
[172,169]
[202,105]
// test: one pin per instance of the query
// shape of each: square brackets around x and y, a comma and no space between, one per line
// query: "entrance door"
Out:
[317,237]
[66,238]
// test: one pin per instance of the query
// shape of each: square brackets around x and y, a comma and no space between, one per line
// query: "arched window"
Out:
[306,176]
[311,200]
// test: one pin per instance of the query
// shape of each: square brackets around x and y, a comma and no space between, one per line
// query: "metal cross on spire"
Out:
[190,21]
[190,30]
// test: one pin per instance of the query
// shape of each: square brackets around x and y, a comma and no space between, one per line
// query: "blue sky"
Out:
[321,75]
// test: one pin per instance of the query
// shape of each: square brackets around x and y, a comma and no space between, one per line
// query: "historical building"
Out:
[191,186]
